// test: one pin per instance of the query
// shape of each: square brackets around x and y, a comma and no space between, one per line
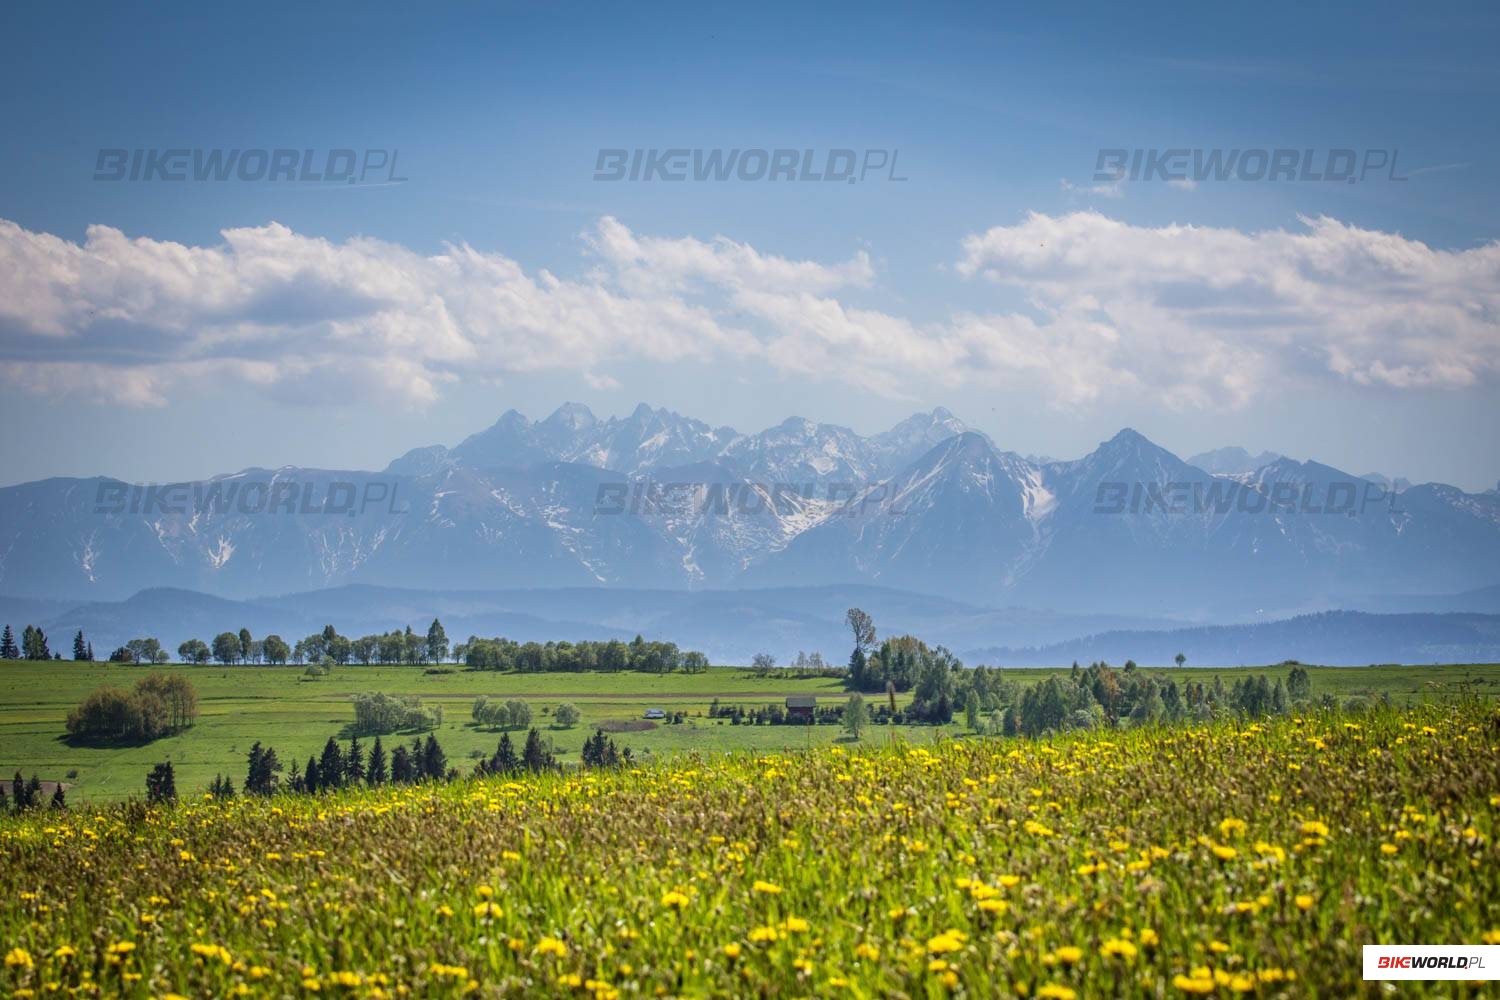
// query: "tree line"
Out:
[609,656]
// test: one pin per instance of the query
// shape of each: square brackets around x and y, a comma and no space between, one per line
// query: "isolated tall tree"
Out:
[8,648]
[863,627]
[59,801]
[437,642]
[80,648]
[1179,659]
[245,642]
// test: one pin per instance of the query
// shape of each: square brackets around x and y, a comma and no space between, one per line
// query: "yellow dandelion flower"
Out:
[732,950]
[768,888]
[1193,984]
[551,946]
[674,899]
[18,958]
[945,942]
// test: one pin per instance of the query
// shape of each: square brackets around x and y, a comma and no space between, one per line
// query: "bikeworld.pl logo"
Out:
[304,166]
[847,166]
[248,496]
[1432,961]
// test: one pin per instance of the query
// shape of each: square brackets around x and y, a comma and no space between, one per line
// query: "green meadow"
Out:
[296,714]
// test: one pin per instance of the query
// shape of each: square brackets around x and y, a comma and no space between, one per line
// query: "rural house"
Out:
[799,708]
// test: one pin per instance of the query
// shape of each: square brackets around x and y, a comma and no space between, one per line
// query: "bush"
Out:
[567,715]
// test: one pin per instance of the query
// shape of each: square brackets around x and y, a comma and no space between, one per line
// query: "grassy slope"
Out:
[239,705]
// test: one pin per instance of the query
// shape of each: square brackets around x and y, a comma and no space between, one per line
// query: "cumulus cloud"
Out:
[1193,316]
[1215,315]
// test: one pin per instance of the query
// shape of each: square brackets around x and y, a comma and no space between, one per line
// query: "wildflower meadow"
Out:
[1220,859]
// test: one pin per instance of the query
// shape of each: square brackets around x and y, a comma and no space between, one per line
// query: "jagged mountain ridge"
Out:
[657,499]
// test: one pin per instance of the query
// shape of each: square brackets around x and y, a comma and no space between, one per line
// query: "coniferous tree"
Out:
[261,776]
[354,764]
[80,650]
[376,773]
[8,648]
[402,772]
[536,756]
[294,779]
[434,761]
[18,793]
[33,792]
[161,784]
[331,765]
[312,778]
[505,760]
[437,642]
[90,652]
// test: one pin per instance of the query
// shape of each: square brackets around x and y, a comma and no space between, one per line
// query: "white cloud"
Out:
[1183,184]
[1214,315]
[1189,316]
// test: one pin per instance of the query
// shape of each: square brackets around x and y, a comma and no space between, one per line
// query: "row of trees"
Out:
[34,646]
[158,705]
[394,647]
[1102,696]
[576,657]
[335,767]
[27,795]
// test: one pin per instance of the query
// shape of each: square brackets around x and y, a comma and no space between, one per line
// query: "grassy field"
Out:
[296,714]
[1225,859]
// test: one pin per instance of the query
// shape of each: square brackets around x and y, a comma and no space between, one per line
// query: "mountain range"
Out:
[661,501]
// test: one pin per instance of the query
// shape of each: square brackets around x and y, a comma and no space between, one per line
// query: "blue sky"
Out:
[999,279]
